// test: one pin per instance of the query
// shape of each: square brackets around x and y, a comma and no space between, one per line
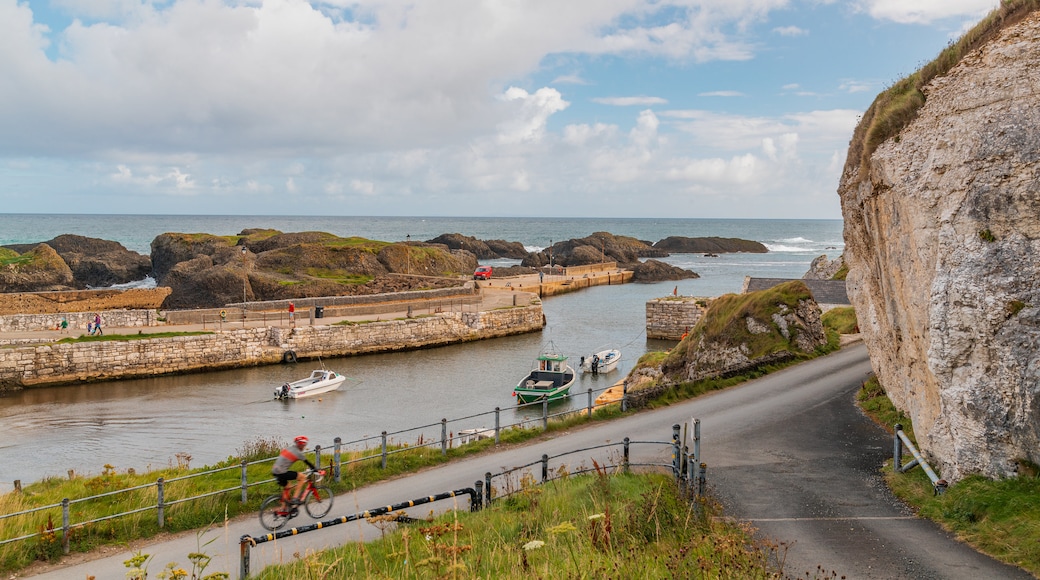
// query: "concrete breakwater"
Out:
[52,363]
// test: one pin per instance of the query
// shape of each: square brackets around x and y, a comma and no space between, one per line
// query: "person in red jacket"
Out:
[282,468]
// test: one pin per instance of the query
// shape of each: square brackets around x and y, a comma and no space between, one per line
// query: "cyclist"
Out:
[282,472]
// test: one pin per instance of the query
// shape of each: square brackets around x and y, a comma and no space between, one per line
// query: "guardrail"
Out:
[157,496]
[681,467]
[938,485]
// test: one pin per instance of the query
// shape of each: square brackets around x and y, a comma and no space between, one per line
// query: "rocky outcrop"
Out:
[823,268]
[942,232]
[483,250]
[712,245]
[594,249]
[740,332]
[38,269]
[95,263]
[657,271]
[210,271]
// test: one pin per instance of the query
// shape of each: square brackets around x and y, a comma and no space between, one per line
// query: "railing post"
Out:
[317,456]
[245,481]
[545,414]
[590,403]
[696,440]
[897,450]
[702,480]
[676,458]
[243,549]
[498,428]
[475,499]
[545,468]
[624,457]
[691,468]
[160,485]
[444,436]
[336,457]
[624,396]
[487,487]
[384,449]
[65,525]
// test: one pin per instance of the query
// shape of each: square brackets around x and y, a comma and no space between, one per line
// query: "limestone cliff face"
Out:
[942,241]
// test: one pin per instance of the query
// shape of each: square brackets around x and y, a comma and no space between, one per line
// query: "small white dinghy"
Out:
[603,361]
[320,381]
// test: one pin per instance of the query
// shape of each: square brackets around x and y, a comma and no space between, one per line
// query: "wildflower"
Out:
[595,517]
[533,545]
[562,528]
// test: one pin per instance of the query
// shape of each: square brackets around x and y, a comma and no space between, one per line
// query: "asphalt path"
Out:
[790,453]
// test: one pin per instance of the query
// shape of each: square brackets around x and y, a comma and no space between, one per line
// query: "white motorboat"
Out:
[603,361]
[320,381]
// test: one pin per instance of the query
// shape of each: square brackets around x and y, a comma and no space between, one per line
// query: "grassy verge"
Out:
[597,526]
[138,336]
[999,517]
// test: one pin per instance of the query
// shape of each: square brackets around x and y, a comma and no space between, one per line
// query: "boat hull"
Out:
[529,390]
[311,386]
[608,361]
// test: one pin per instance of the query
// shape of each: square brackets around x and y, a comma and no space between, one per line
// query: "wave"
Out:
[781,248]
[144,283]
[798,240]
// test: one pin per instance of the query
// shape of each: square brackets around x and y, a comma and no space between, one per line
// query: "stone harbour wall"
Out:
[78,320]
[52,364]
[669,318]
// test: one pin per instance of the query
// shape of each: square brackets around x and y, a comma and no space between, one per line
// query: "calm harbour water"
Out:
[144,423]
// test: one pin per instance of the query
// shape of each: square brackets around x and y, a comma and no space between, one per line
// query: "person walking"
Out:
[292,315]
[64,325]
[97,324]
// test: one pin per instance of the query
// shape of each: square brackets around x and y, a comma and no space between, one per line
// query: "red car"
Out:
[482,273]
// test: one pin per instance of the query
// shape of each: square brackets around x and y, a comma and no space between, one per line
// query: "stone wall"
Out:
[669,318]
[78,321]
[50,364]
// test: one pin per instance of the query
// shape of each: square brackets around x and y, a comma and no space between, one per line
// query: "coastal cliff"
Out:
[942,230]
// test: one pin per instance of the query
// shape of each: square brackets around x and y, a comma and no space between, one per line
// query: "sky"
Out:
[525,108]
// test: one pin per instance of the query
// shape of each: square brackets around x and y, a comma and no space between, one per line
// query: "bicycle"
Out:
[316,499]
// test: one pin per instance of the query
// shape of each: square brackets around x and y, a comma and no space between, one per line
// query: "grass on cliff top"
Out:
[724,322]
[596,526]
[897,107]
[999,517]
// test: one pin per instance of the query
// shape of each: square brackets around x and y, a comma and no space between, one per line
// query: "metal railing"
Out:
[681,456]
[900,440]
[156,496]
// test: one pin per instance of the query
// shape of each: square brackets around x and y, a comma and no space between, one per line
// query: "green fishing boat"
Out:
[550,380]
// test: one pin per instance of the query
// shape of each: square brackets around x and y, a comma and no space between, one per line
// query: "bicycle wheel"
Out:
[272,517]
[319,502]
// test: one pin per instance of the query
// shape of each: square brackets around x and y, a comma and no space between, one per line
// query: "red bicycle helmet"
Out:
[301,439]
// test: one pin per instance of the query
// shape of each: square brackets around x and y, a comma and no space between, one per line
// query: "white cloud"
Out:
[721,94]
[529,119]
[925,11]
[790,31]
[630,101]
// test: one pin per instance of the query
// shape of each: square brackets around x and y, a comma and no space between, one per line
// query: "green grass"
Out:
[597,526]
[139,336]
[339,276]
[842,320]
[999,517]
[10,257]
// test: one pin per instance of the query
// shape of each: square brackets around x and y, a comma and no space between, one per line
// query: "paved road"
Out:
[788,452]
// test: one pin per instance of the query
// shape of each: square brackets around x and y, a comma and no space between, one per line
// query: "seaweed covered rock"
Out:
[596,248]
[709,245]
[95,262]
[657,271]
[483,250]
